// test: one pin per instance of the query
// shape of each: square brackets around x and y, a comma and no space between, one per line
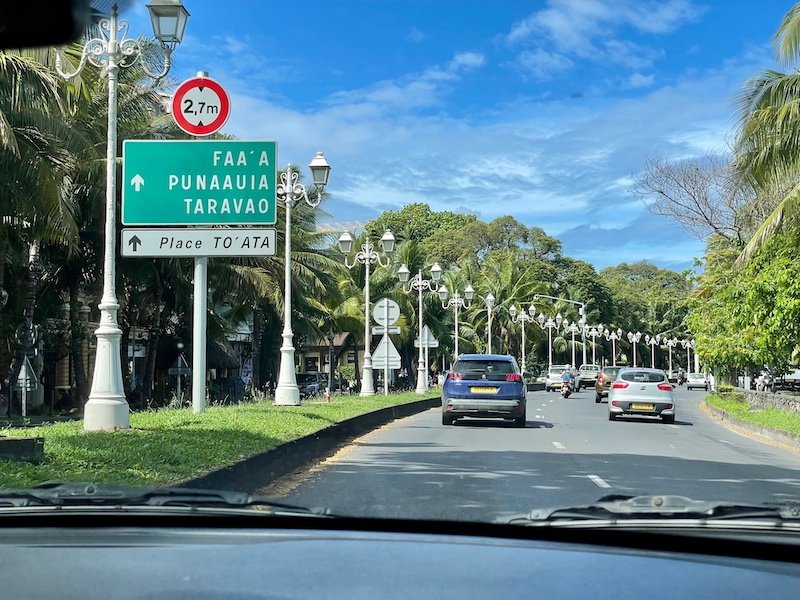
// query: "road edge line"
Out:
[775,437]
[262,469]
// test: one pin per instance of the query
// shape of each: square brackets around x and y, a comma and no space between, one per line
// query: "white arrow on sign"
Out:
[386,352]
[137,182]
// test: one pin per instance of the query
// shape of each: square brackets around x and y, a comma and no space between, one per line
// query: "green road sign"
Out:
[209,182]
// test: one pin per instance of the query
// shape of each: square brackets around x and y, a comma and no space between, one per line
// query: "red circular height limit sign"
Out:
[200,106]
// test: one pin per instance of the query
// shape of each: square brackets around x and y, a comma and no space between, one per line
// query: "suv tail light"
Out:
[513,377]
[665,387]
[454,376]
[620,385]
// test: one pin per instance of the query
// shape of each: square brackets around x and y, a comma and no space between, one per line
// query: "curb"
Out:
[261,469]
[740,426]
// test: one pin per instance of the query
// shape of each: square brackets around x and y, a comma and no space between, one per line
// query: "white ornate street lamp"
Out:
[634,338]
[581,316]
[614,336]
[420,284]
[688,344]
[107,407]
[594,333]
[457,302]
[522,318]
[653,342]
[671,343]
[549,324]
[572,328]
[489,301]
[290,191]
[367,256]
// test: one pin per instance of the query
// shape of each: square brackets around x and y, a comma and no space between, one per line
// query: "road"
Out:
[569,453]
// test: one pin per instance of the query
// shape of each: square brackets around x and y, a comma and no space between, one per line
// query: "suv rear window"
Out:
[643,376]
[495,370]
[611,371]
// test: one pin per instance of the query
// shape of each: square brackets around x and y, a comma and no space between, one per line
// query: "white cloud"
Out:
[543,65]
[637,80]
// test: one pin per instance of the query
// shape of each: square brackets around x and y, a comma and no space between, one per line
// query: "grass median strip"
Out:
[773,418]
[167,446]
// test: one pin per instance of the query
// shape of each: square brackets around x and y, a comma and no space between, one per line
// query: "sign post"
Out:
[386,312]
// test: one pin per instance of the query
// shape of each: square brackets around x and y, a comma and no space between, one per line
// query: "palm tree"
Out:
[768,142]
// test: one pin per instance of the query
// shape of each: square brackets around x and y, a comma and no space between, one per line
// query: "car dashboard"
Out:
[356,559]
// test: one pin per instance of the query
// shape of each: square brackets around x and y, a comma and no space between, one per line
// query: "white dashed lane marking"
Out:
[599,482]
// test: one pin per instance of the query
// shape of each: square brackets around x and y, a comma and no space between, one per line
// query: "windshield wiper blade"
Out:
[620,508]
[92,495]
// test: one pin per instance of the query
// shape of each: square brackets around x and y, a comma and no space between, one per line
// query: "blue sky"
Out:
[544,110]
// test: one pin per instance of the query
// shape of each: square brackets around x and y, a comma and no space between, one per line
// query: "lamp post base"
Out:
[422,379]
[286,392]
[367,388]
[107,408]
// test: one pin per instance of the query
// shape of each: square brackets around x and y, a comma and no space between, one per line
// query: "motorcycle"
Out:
[681,379]
[566,389]
[765,382]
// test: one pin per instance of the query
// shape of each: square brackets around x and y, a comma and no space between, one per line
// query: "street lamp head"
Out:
[346,242]
[442,293]
[512,310]
[559,318]
[630,336]
[619,333]
[489,301]
[540,318]
[532,311]
[436,272]
[169,21]
[469,293]
[387,241]
[647,338]
[658,338]
[403,273]
[320,170]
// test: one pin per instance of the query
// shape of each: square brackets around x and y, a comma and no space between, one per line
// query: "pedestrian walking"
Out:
[712,383]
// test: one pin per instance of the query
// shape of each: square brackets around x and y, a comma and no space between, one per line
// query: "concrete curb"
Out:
[740,426]
[261,469]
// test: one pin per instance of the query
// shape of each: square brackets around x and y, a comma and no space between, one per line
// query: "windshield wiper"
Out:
[617,507]
[63,494]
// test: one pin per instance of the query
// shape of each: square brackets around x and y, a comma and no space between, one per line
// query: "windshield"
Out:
[407,218]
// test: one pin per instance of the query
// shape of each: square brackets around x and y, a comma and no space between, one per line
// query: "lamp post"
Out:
[581,316]
[367,256]
[614,336]
[688,344]
[572,328]
[549,324]
[634,338]
[522,318]
[489,301]
[420,284]
[107,407]
[594,333]
[671,343]
[653,342]
[290,191]
[457,302]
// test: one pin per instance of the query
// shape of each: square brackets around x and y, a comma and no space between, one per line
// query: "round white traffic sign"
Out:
[200,106]
[379,312]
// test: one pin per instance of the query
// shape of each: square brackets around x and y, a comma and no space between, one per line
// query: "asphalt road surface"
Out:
[569,453]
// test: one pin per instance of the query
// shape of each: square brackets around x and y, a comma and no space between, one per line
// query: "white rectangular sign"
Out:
[175,242]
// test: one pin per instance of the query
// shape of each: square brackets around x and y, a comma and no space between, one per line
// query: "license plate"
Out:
[483,390]
[636,406]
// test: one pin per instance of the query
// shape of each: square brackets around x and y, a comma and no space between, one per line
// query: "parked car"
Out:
[641,392]
[696,380]
[587,375]
[603,383]
[484,385]
[311,384]
[553,379]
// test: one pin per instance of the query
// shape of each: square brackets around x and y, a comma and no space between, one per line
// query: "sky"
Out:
[542,109]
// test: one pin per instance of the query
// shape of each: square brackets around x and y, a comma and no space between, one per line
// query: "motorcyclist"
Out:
[681,376]
[566,377]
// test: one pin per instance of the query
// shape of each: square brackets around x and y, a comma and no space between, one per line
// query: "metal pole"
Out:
[107,407]
[388,341]
[367,387]
[688,359]
[653,355]
[455,305]
[199,334]
[523,347]
[573,347]
[614,352]
[634,352]
[696,362]
[286,392]
[422,367]
[594,350]
[670,357]
[549,347]
[583,333]
[489,309]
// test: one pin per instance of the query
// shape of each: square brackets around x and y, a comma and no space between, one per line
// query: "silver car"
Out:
[641,392]
[696,380]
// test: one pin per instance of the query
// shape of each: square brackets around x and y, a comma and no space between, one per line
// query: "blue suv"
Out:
[484,385]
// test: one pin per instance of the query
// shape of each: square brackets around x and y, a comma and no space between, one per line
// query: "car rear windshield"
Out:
[495,370]
[611,371]
[556,370]
[643,376]
[306,378]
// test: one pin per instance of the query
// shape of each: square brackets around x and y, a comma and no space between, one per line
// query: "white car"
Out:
[696,380]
